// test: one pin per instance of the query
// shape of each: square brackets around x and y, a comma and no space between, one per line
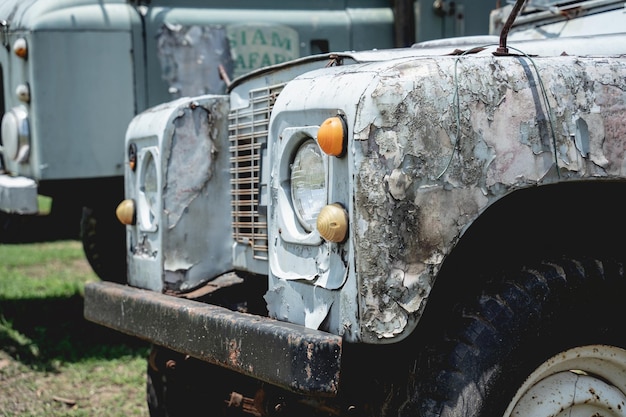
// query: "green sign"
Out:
[257,46]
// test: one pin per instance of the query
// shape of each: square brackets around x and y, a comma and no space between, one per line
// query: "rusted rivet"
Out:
[170,364]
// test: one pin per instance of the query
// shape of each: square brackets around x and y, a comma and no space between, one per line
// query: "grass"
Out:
[42,270]
[52,361]
[45,204]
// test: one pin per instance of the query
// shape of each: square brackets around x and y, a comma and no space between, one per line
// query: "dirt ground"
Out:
[66,391]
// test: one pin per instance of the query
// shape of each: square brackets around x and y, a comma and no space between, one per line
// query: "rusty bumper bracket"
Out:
[290,356]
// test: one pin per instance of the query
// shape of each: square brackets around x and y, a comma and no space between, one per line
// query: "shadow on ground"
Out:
[17,228]
[42,332]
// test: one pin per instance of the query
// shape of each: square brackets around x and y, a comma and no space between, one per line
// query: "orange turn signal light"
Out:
[125,212]
[332,223]
[132,156]
[20,48]
[332,136]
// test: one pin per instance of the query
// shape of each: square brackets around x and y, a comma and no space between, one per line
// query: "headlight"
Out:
[148,192]
[308,183]
[16,134]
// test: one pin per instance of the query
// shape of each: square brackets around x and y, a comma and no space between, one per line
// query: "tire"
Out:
[545,329]
[104,243]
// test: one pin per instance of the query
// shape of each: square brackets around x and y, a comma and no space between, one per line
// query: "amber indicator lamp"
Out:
[132,156]
[332,223]
[125,212]
[332,136]
[20,48]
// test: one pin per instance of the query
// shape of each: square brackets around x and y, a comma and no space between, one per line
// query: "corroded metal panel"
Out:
[182,237]
[197,236]
[283,354]
[190,57]
[434,139]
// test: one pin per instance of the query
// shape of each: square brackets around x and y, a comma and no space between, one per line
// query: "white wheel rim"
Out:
[581,382]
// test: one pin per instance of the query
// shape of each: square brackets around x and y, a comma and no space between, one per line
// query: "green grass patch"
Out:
[43,270]
[53,362]
[44,203]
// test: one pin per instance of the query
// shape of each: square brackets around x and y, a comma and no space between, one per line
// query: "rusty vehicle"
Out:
[74,73]
[422,231]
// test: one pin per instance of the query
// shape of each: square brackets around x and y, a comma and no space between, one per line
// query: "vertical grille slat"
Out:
[247,133]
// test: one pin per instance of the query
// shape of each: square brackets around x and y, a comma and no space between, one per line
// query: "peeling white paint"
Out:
[189,162]
[398,182]
[433,142]
[414,198]
[190,56]
[186,247]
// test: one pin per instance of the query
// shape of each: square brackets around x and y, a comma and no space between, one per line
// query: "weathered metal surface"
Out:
[190,57]
[422,165]
[289,356]
[196,242]
[559,19]
[182,236]
[426,167]
[18,195]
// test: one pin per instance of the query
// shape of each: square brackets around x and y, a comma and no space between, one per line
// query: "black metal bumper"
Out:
[290,356]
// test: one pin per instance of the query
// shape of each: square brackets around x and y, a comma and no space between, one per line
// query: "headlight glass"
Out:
[16,134]
[308,183]
[148,191]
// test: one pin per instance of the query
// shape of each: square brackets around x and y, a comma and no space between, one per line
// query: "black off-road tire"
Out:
[494,342]
[104,243]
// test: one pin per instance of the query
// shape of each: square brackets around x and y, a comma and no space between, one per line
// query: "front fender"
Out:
[182,235]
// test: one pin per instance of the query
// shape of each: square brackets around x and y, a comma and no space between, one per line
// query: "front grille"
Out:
[247,132]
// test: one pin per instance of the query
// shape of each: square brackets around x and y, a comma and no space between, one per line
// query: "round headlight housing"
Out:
[16,134]
[148,192]
[308,183]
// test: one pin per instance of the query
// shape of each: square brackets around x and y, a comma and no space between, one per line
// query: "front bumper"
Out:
[292,357]
[18,195]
